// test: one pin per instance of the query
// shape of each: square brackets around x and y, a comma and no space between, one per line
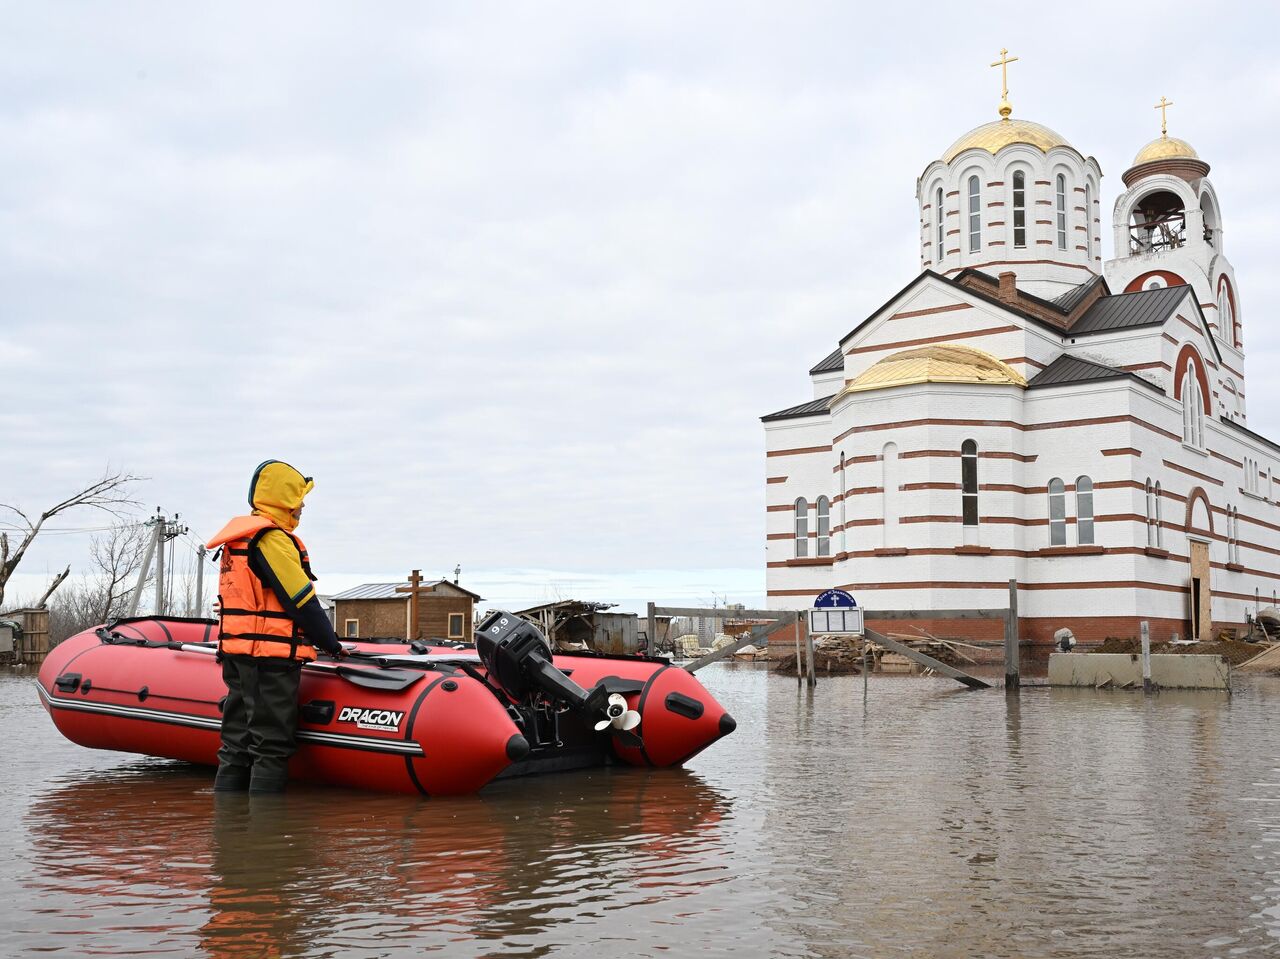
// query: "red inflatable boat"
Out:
[391,716]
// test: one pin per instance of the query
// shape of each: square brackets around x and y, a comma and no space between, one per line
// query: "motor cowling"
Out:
[518,659]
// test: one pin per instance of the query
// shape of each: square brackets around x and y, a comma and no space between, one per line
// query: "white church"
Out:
[1022,410]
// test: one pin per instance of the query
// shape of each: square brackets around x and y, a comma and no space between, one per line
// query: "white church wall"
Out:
[827,384]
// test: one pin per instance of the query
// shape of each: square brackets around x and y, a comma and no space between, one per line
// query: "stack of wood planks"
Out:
[1267,661]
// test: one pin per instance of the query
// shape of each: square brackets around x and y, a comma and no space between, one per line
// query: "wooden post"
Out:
[415,585]
[1012,675]
[808,650]
[864,670]
[1146,656]
[653,631]
[799,661]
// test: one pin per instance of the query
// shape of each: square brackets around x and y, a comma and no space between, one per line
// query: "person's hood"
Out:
[276,490]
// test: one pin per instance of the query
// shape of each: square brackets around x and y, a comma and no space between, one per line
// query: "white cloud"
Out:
[514,282]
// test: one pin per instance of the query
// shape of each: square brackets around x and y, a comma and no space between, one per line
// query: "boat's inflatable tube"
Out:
[393,717]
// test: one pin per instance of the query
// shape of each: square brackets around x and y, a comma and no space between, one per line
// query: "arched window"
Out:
[824,526]
[1057,513]
[1084,511]
[975,215]
[1233,535]
[1062,212]
[844,509]
[1192,409]
[1019,209]
[1159,523]
[940,227]
[1088,220]
[889,492]
[969,482]
[802,528]
[1151,514]
[1226,315]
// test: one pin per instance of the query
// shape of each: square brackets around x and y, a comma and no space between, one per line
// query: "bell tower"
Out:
[1167,227]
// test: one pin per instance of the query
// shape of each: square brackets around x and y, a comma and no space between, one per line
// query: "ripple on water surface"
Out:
[934,822]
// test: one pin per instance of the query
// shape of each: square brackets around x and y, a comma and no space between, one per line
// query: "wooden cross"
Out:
[1163,107]
[415,583]
[1003,64]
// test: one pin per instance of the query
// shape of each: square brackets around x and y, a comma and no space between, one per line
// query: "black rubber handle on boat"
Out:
[390,680]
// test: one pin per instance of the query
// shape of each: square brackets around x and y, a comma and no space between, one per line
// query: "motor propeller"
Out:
[617,715]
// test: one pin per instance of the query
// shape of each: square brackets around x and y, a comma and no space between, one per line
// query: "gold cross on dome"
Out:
[1163,107]
[1003,63]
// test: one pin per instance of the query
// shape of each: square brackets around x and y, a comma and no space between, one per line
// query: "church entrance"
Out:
[1201,613]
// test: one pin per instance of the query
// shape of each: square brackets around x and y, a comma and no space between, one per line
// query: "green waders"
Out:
[259,721]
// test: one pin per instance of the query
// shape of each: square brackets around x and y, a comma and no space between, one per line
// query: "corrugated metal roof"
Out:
[388,590]
[812,408]
[1071,299]
[832,363]
[1072,369]
[1128,310]
[373,591]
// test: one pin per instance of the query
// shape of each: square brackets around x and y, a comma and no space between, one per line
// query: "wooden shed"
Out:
[414,609]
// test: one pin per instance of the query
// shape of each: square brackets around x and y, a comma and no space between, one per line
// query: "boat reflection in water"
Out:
[323,871]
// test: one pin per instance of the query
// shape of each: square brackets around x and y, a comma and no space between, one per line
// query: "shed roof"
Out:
[834,361]
[812,408]
[1124,311]
[391,590]
[1072,369]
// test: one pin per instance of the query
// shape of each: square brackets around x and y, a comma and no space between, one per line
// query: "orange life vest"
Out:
[253,623]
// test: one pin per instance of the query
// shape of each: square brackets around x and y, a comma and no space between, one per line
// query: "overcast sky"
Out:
[514,282]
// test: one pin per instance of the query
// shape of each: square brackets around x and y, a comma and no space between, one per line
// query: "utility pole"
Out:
[161,537]
[162,530]
[200,580]
[146,566]
[169,529]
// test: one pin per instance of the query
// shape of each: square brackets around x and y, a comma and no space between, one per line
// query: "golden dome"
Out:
[1165,148]
[940,363]
[997,134]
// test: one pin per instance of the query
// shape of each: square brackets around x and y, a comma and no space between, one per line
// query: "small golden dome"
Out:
[1000,133]
[1165,148]
[939,363]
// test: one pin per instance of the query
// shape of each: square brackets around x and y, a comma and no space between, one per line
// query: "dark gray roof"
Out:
[1066,370]
[812,408]
[1125,311]
[1071,299]
[832,363]
[1072,369]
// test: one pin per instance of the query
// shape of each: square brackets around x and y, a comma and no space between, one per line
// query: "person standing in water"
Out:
[270,624]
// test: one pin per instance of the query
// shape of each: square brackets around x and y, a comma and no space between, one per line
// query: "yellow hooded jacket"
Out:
[265,576]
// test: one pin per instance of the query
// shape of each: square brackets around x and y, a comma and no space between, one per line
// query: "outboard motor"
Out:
[518,659]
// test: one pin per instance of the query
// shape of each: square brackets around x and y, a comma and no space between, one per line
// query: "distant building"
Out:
[570,623]
[445,610]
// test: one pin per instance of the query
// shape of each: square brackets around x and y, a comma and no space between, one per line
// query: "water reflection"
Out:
[327,872]
[932,822]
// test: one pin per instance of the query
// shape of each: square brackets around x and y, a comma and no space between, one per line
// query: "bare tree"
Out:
[116,558]
[110,494]
[103,593]
[57,581]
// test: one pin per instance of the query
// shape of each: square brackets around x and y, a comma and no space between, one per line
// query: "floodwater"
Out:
[931,822]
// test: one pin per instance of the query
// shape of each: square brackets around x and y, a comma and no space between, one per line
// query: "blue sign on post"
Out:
[834,599]
[835,611]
